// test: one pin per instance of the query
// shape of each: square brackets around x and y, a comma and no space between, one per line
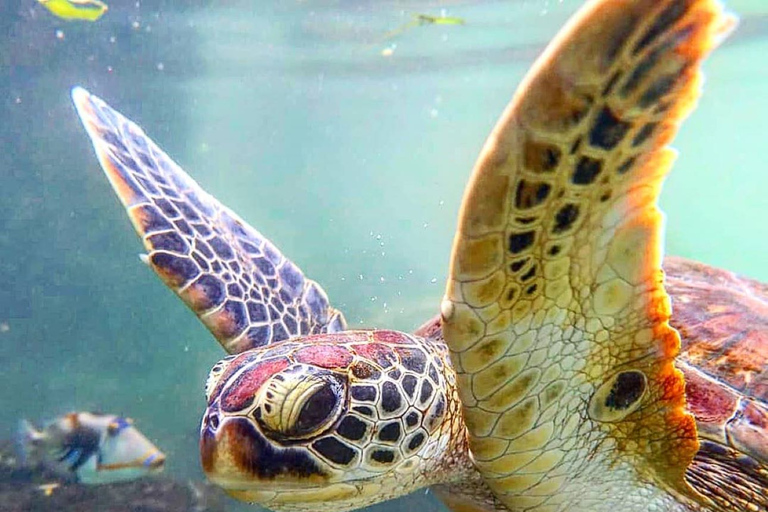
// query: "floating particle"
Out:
[47,489]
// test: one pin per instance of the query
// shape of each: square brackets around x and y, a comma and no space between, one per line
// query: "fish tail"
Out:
[28,442]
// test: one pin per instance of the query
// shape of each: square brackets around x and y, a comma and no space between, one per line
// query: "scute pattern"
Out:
[723,320]
[555,312]
[399,404]
[707,305]
[243,289]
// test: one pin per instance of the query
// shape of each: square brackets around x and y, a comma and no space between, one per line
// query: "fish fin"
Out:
[88,471]
[71,457]
[28,441]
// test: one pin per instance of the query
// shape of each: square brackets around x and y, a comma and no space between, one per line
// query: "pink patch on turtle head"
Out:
[392,337]
[280,349]
[376,353]
[240,394]
[232,367]
[334,357]
[335,338]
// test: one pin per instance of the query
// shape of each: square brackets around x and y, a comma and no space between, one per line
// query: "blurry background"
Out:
[345,142]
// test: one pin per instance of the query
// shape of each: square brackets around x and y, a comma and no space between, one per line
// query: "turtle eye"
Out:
[300,403]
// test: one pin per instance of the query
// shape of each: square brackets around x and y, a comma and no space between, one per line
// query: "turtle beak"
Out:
[238,457]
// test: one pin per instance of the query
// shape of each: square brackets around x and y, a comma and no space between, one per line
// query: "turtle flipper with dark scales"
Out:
[555,310]
[554,378]
[237,282]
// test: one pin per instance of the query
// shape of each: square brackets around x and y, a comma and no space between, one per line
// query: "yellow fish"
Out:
[89,10]
[426,19]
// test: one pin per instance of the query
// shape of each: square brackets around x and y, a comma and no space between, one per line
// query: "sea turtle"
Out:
[552,379]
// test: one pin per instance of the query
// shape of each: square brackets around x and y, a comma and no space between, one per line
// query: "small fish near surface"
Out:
[91,448]
[427,19]
[86,10]
[419,20]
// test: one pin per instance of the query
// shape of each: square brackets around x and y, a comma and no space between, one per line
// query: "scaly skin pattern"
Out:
[337,420]
[723,322]
[235,280]
[730,470]
[566,394]
[555,311]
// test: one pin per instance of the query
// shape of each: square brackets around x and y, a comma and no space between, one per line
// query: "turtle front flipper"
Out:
[555,310]
[235,280]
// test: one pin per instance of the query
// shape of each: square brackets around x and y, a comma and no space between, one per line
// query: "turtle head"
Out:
[335,421]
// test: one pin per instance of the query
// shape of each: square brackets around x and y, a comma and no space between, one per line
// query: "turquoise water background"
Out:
[352,161]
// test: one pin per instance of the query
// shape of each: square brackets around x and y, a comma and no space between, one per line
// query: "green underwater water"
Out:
[352,162]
